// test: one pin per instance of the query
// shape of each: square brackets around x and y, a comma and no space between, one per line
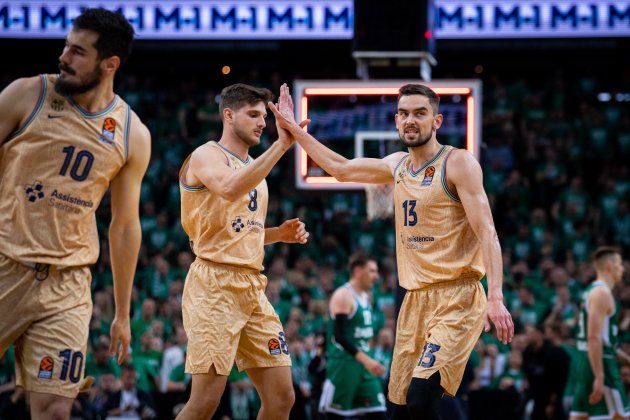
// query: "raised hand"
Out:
[285,103]
[283,111]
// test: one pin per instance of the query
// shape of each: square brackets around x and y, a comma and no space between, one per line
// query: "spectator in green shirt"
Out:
[530,311]
[513,375]
[100,362]
[178,380]
[146,362]
[140,325]
[130,401]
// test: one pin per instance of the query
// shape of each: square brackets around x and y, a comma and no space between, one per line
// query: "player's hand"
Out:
[120,332]
[374,367]
[293,231]
[502,320]
[598,391]
[283,110]
[284,136]
[283,123]
[285,103]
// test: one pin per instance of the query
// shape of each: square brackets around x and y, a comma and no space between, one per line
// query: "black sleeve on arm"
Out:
[341,321]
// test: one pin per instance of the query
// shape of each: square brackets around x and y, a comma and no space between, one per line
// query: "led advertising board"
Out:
[320,19]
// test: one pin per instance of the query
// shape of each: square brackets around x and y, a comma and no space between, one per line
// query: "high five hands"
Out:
[283,110]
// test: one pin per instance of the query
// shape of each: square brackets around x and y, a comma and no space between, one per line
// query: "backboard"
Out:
[356,119]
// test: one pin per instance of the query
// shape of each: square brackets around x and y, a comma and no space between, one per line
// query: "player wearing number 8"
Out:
[446,241]
[226,314]
[63,139]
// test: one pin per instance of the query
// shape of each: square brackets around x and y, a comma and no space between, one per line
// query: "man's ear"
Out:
[228,114]
[110,64]
[437,121]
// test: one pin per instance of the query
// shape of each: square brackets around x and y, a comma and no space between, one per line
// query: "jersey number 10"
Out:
[81,166]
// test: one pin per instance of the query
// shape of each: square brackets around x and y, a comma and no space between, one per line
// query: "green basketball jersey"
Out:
[609,332]
[359,328]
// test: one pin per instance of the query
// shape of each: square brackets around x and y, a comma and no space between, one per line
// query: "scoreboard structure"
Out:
[356,119]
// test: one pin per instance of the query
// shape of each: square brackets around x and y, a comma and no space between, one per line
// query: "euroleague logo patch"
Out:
[278,345]
[109,130]
[274,347]
[428,176]
[46,368]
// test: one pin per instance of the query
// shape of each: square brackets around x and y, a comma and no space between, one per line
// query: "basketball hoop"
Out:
[380,201]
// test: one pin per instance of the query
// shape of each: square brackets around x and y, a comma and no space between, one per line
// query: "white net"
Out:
[380,201]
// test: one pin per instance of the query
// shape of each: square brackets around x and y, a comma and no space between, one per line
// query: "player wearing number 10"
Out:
[63,139]
[446,241]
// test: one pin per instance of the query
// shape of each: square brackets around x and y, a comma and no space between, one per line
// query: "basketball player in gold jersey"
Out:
[63,139]
[446,242]
[226,314]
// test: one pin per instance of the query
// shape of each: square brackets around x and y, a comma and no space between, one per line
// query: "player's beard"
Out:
[420,141]
[85,84]
[247,136]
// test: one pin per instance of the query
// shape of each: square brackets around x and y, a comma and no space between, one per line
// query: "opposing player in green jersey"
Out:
[599,392]
[352,384]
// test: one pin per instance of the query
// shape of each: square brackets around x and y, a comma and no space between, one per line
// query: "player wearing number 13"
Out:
[63,139]
[446,241]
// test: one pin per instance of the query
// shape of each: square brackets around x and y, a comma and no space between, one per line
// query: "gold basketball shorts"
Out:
[228,318]
[437,328]
[46,315]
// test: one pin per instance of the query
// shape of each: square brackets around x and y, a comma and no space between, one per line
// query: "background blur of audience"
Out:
[555,161]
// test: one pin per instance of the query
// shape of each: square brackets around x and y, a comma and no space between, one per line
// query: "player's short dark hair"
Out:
[602,254]
[237,96]
[359,259]
[416,89]
[115,34]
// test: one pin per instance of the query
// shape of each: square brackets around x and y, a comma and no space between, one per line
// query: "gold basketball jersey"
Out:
[222,231]
[435,242]
[54,171]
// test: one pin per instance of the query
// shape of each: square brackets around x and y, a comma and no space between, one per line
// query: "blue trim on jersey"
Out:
[426,165]
[400,162]
[444,183]
[126,132]
[90,115]
[245,162]
[191,188]
[38,107]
